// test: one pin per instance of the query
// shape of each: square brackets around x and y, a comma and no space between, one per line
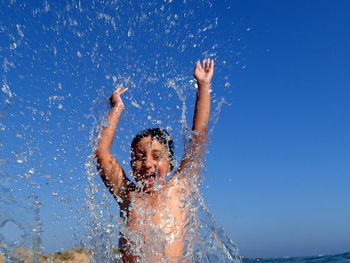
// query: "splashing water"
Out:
[60,60]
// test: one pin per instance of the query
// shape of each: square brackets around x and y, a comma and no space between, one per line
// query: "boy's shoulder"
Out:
[179,182]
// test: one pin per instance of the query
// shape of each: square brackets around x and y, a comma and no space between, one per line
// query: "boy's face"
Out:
[151,162]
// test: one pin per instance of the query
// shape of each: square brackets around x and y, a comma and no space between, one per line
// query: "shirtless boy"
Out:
[154,209]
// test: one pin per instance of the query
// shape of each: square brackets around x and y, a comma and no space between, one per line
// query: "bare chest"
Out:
[159,215]
[156,224]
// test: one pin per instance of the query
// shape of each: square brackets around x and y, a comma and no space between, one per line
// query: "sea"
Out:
[339,258]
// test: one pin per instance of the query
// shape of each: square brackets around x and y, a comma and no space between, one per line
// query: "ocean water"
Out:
[339,258]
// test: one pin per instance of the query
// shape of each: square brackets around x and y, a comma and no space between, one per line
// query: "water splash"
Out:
[59,63]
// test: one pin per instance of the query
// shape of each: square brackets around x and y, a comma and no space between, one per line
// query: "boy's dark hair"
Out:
[160,135]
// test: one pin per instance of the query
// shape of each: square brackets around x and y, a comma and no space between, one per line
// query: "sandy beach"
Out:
[75,255]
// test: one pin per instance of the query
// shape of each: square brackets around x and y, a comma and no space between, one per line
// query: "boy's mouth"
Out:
[149,179]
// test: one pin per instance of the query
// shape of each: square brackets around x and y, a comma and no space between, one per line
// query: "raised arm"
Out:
[192,161]
[111,171]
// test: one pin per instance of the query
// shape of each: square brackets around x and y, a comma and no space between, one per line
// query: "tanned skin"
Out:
[145,207]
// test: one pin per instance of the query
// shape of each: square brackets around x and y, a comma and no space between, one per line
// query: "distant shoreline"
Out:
[310,259]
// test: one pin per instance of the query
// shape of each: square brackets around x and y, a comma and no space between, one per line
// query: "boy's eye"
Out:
[156,157]
[139,156]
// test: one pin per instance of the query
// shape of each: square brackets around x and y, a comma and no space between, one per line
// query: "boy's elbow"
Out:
[100,153]
[97,153]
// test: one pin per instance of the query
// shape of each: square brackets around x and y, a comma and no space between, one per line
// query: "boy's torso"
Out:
[155,223]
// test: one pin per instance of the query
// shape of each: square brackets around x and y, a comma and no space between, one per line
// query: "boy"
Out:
[153,209]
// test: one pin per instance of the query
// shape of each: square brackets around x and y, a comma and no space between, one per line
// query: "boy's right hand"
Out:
[115,100]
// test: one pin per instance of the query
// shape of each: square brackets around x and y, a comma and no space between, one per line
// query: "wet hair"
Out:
[161,135]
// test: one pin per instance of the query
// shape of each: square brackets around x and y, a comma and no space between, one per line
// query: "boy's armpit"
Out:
[180,180]
[190,166]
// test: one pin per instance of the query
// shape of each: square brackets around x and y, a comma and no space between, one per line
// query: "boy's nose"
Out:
[148,165]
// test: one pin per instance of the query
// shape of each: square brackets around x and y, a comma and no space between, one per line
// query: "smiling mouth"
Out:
[148,179]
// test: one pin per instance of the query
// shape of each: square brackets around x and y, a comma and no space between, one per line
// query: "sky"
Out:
[283,171]
[277,168]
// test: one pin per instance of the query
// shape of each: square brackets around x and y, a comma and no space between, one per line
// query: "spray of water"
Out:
[59,63]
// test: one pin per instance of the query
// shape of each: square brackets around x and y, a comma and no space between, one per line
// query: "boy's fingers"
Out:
[124,90]
[212,64]
[207,62]
[198,65]
[119,91]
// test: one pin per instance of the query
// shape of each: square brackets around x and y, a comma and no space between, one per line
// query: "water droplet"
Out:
[13,46]
[28,174]
[6,89]
[130,33]
[19,31]
[134,103]
[21,157]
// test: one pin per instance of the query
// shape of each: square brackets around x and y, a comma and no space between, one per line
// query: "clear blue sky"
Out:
[278,169]
[281,152]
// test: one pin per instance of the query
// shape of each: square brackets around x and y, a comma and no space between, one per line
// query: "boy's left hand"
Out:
[204,72]
[115,100]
